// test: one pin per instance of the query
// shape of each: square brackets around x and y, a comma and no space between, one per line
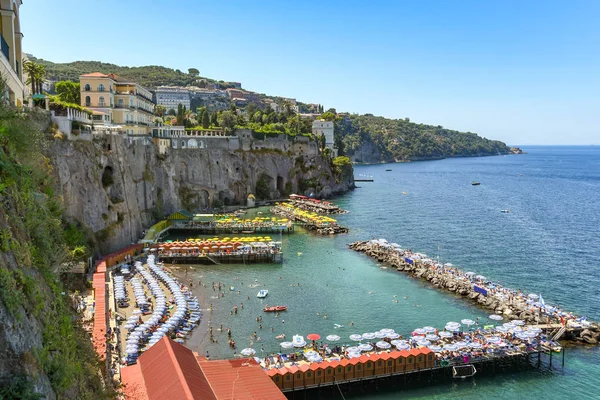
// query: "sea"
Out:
[548,244]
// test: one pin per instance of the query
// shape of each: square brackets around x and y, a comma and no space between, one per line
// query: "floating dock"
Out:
[222,259]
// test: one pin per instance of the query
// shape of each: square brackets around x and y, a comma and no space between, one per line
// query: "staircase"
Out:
[559,334]
[212,259]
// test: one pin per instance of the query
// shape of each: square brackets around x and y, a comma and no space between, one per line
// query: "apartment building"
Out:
[11,55]
[322,127]
[118,101]
[171,96]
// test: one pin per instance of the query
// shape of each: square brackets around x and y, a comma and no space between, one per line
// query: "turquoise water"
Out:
[548,244]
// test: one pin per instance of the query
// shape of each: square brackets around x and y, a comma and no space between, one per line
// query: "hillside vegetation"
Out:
[44,349]
[367,138]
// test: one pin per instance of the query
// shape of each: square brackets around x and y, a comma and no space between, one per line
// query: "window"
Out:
[379,363]
[298,375]
[358,367]
[276,378]
[101,88]
[318,373]
[87,87]
[389,363]
[349,369]
[101,101]
[120,103]
[329,371]
[339,369]
[88,101]
[287,378]
[308,374]
[410,360]
[420,358]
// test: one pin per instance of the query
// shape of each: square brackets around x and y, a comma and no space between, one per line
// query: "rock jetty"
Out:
[503,301]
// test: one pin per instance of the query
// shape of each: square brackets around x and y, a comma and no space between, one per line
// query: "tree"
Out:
[205,120]
[328,116]
[193,71]
[159,110]
[68,91]
[227,120]
[30,68]
[214,118]
[172,112]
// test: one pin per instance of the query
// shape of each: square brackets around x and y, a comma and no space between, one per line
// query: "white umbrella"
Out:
[502,329]
[403,346]
[369,335]
[432,337]
[383,345]
[534,329]
[419,331]
[429,329]
[300,343]
[450,347]
[445,334]
[397,341]
[496,317]
[248,352]
[333,338]
[380,335]
[392,335]
[461,344]
[435,349]
[365,347]
[386,330]
[452,327]
[423,342]
[467,322]
[356,337]
[286,345]
[533,296]
[475,345]
[353,349]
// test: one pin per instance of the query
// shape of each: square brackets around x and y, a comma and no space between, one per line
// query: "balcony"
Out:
[5,48]
[125,106]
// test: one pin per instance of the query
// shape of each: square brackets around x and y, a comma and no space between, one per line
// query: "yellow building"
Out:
[118,101]
[11,57]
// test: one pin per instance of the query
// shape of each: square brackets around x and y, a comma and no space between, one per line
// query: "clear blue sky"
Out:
[525,72]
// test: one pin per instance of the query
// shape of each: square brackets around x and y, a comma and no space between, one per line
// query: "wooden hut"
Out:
[401,360]
[308,374]
[388,364]
[330,370]
[275,375]
[287,378]
[319,370]
[359,366]
[370,364]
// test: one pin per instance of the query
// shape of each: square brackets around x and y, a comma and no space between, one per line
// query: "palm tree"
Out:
[40,74]
[30,68]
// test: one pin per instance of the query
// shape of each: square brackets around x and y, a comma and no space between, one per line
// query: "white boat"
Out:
[262,293]
[505,211]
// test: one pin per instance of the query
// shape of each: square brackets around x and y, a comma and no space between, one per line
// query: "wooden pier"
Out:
[443,371]
[254,258]
[212,229]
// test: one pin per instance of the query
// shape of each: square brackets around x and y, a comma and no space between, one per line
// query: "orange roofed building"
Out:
[169,370]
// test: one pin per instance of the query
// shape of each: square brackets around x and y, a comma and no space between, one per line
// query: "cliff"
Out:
[117,188]
[44,352]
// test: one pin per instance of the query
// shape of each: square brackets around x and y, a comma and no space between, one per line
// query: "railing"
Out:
[124,106]
[5,48]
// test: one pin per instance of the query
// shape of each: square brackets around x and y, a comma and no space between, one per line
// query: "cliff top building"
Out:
[118,101]
[11,56]
[171,96]
[322,127]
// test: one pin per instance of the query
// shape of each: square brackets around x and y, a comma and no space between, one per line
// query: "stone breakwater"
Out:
[502,301]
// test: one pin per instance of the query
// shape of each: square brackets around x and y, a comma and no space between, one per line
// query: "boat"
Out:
[262,293]
[475,183]
[505,211]
[274,308]
[387,170]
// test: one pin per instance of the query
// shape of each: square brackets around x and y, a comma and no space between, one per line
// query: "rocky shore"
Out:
[511,308]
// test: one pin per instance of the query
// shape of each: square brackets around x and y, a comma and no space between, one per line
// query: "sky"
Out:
[524,72]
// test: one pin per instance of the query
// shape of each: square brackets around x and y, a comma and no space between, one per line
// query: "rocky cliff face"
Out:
[117,189]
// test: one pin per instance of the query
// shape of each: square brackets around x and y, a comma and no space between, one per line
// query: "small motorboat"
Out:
[505,211]
[387,170]
[262,293]
[274,308]
[475,183]
[279,337]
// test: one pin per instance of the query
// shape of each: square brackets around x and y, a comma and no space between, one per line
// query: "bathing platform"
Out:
[269,258]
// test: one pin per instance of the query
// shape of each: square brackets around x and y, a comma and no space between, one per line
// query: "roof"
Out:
[239,379]
[95,75]
[169,370]
[181,215]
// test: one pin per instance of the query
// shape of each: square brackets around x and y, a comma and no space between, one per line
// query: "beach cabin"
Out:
[308,373]
[428,356]
[287,378]
[318,370]
[369,364]
[387,362]
[330,370]
[298,376]
[275,375]
[402,361]
[419,358]
[359,367]
[340,370]
[351,368]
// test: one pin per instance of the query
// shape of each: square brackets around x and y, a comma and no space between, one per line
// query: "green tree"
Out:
[31,69]
[205,119]
[159,110]
[68,91]
[227,120]
[214,118]
[193,71]
[172,112]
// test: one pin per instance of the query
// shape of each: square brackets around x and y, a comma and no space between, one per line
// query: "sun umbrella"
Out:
[461,344]
[450,347]
[496,317]
[313,336]
[517,329]
[432,337]
[368,335]
[397,341]
[354,355]
[530,334]
[435,349]
[353,349]
[356,337]
[533,296]
[403,346]
[333,338]
[445,334]
[452,327]
[380,335]
[386,330]
[494,339]
[392,335]
[315,358]
[419,331]
[248,352]
[300,343]
[423,342]
[383,345]
[365,347]
[509,325]
[429,329]
[467,322]
[475,345]
[502,329]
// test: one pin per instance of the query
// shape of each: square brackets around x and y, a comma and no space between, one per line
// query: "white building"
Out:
[171,96]
[162,135]
[322,127]
[11,57]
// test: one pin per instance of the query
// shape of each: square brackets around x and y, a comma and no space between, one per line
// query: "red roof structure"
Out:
[169,370]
